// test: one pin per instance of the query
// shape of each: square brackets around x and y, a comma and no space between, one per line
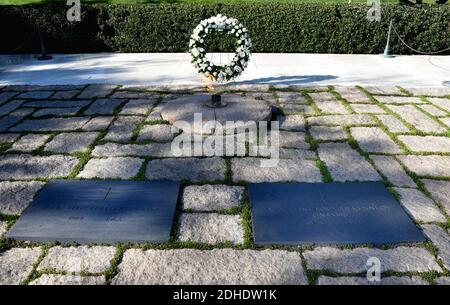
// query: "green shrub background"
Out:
[300,28]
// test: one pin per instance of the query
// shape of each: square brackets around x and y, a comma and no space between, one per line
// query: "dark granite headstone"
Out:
[99,211]
[328,213]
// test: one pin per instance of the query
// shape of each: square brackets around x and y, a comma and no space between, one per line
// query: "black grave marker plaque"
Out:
[328,213]
[99,211]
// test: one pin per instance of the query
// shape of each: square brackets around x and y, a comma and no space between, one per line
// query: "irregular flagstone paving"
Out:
[326,134]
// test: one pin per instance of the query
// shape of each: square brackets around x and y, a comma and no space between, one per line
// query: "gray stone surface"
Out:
[367,108]
[392,170]
[103,107]
[16,196]
[16,264]
[443,280]
[3,226]
[441,240]
[57,104]
[291,98]
[345,119]
[57,124]
[13,118]
[440,192]
[212,267]
[56,112]
[446,121]
[352,94]
[212,197]
[138,107]
[328,103]
[295,122]
[250,170]
[8,137]
[71,142]
[296,108]
[353,280]
[30,142]
[155,115]
[392,123]
[20,167]
[157,133]
[388,90]
[98,90]
[287,153]
[417,118]
[35,95]
[10,106]
[5,96]
[59,279]
[114,167]
[64,95]
[326,133]
[374,140]
[290,139]
[193,169]
[401,259]
[426,143]
[211,228]
[98,123]
[346,164]
[135,95]
[122,128]
[146,150]
[399,100]
[444,103]
[436,166]
[420,207]
[439,91]
[433,110]
[95,259]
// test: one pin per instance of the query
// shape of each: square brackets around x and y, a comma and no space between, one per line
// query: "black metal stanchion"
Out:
[44,55]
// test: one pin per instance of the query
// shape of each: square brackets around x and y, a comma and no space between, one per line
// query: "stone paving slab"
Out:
[392,123]
[71,142]
[138,107]
[10,106]
[367,108]
[387,90]
[98,123]
[250,170]
[441,239]
[433,110]
[326,133]
[16,196]
[443,280]
[426,143]
[444,103]
[399,100]
[211,267]
[135,95]
[291,98]
[114,167]
[59,279]
[13,118]
[353,280]
[327,103]
[352,94]
[157,133]
[155,115]
[434,166]
[98,90]
[289,139]
[122,128]
[346,119]
[417,118]
[16,264]
[392,170]
[95,259]
[144,150]
[3,228]
[346,164]
[6,96]
[440,192]
[296,108]
[103,107]
[193,169]
[420,207]
[65,95]
[212,197]
[446,121]
[211,228]
[374,139]
[35,95]
[293,122]
[8,137]
[56,112]
[296,154]
[58,124]
[57,104]
[29,142]
[429,91]
[19,167]
[401,259]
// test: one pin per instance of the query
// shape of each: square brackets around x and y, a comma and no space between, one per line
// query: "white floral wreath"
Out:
[240,59]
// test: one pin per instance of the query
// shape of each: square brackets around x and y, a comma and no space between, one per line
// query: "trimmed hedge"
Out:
[300,28]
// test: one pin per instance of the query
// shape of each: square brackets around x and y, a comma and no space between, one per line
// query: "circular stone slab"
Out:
[241,108]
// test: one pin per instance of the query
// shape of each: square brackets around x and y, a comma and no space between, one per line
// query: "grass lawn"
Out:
[9,2]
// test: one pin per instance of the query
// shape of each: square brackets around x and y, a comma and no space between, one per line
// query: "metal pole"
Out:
[44,55]
[386,49]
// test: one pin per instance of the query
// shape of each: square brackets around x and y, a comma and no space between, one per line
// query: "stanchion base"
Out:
[387,55]
[44,57]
